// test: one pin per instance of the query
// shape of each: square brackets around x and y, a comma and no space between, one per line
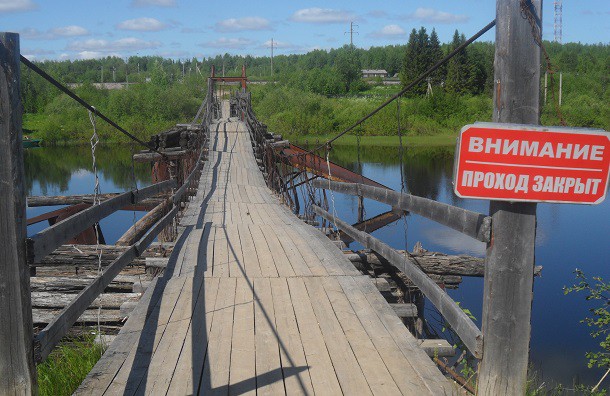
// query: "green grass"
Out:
[67,366]
[378,141]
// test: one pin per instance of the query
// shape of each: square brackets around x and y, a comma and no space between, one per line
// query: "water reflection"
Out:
[68,171]
[50,169]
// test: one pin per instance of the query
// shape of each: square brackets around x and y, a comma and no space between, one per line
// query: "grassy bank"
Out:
[67,366]
[377,141]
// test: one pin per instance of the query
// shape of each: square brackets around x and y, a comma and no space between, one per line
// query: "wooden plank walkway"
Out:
[254,301]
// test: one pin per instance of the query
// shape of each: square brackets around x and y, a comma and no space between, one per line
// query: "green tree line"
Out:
[318,92]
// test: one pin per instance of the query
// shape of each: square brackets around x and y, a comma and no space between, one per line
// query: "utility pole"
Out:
[509,261]
[17,370]
[113,74]
[351,33]
[272,45]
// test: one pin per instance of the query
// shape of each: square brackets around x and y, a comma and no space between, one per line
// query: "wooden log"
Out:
[475,225]
[430,262]
[82,256]
[453,314]
[154,156]
[59,326]
[90,316]
[136,231]
[58,300]
[68,284]
[437,348]
[404,310]
[17,370]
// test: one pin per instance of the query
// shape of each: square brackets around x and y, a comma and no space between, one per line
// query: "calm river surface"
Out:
[568,236]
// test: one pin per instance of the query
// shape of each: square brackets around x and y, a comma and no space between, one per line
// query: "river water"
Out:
[568,236]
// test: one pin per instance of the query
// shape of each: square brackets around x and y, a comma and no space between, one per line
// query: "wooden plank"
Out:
[297,262]
[268,366]
[208,268]
[473,224]
[104,371]
[189,368]
[321,370]
[165,356]
[251,263]
[236,265]
[17,370]
[294,365]
[421,365]
[308,249]
[375,371]
[453,314]
[349,372]
[221,253]
[215,378]
[263,253]
[243,358]
[282,263]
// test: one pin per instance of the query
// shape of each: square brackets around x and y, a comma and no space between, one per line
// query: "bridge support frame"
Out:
[17,369]
[509,262]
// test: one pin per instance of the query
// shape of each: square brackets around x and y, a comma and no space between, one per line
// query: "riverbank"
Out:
[445,141]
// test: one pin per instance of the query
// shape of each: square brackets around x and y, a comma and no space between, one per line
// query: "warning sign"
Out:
[513,162]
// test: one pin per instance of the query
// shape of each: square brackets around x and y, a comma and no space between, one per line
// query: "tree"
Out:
[457,68]
[347,65]
[420,55]
[435,55]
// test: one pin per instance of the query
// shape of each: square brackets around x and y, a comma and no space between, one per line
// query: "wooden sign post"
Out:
[17,370]
[509,261]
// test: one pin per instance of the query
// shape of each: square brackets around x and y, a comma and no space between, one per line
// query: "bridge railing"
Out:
[475,225]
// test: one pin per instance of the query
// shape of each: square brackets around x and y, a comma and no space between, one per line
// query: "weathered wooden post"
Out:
[509,263]
[17,370]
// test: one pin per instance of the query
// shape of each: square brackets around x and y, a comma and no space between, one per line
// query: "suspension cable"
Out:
[412,83]
[86,105]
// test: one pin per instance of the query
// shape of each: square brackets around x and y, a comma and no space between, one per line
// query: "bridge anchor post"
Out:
[17,370]
[509,262]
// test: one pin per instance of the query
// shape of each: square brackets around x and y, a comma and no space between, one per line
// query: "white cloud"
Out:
[54,33]
[389,31]
[436,16]
[142,25]
[69,31]
[159,3]
[276,45]
[321,15]
[232,43]
[125,44]
[16,5]
[240,24]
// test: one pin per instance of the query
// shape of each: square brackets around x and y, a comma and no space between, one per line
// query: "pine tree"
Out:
[458,77]
[436,54]
[416,59]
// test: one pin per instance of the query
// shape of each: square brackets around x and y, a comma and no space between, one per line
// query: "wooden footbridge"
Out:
[252,298]
[256,301]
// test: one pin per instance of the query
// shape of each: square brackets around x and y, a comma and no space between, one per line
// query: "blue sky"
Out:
[62,29]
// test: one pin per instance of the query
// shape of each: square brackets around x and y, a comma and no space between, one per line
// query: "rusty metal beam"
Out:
[370,225]
[302,159]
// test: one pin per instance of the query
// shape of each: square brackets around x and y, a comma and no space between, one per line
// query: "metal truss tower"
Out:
[558,21]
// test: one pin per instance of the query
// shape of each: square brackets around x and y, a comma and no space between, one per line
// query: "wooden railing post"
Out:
[17,370]
[509,262]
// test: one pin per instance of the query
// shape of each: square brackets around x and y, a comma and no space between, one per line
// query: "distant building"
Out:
[366,73]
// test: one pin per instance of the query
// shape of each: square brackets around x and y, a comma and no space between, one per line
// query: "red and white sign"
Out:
[513,162]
